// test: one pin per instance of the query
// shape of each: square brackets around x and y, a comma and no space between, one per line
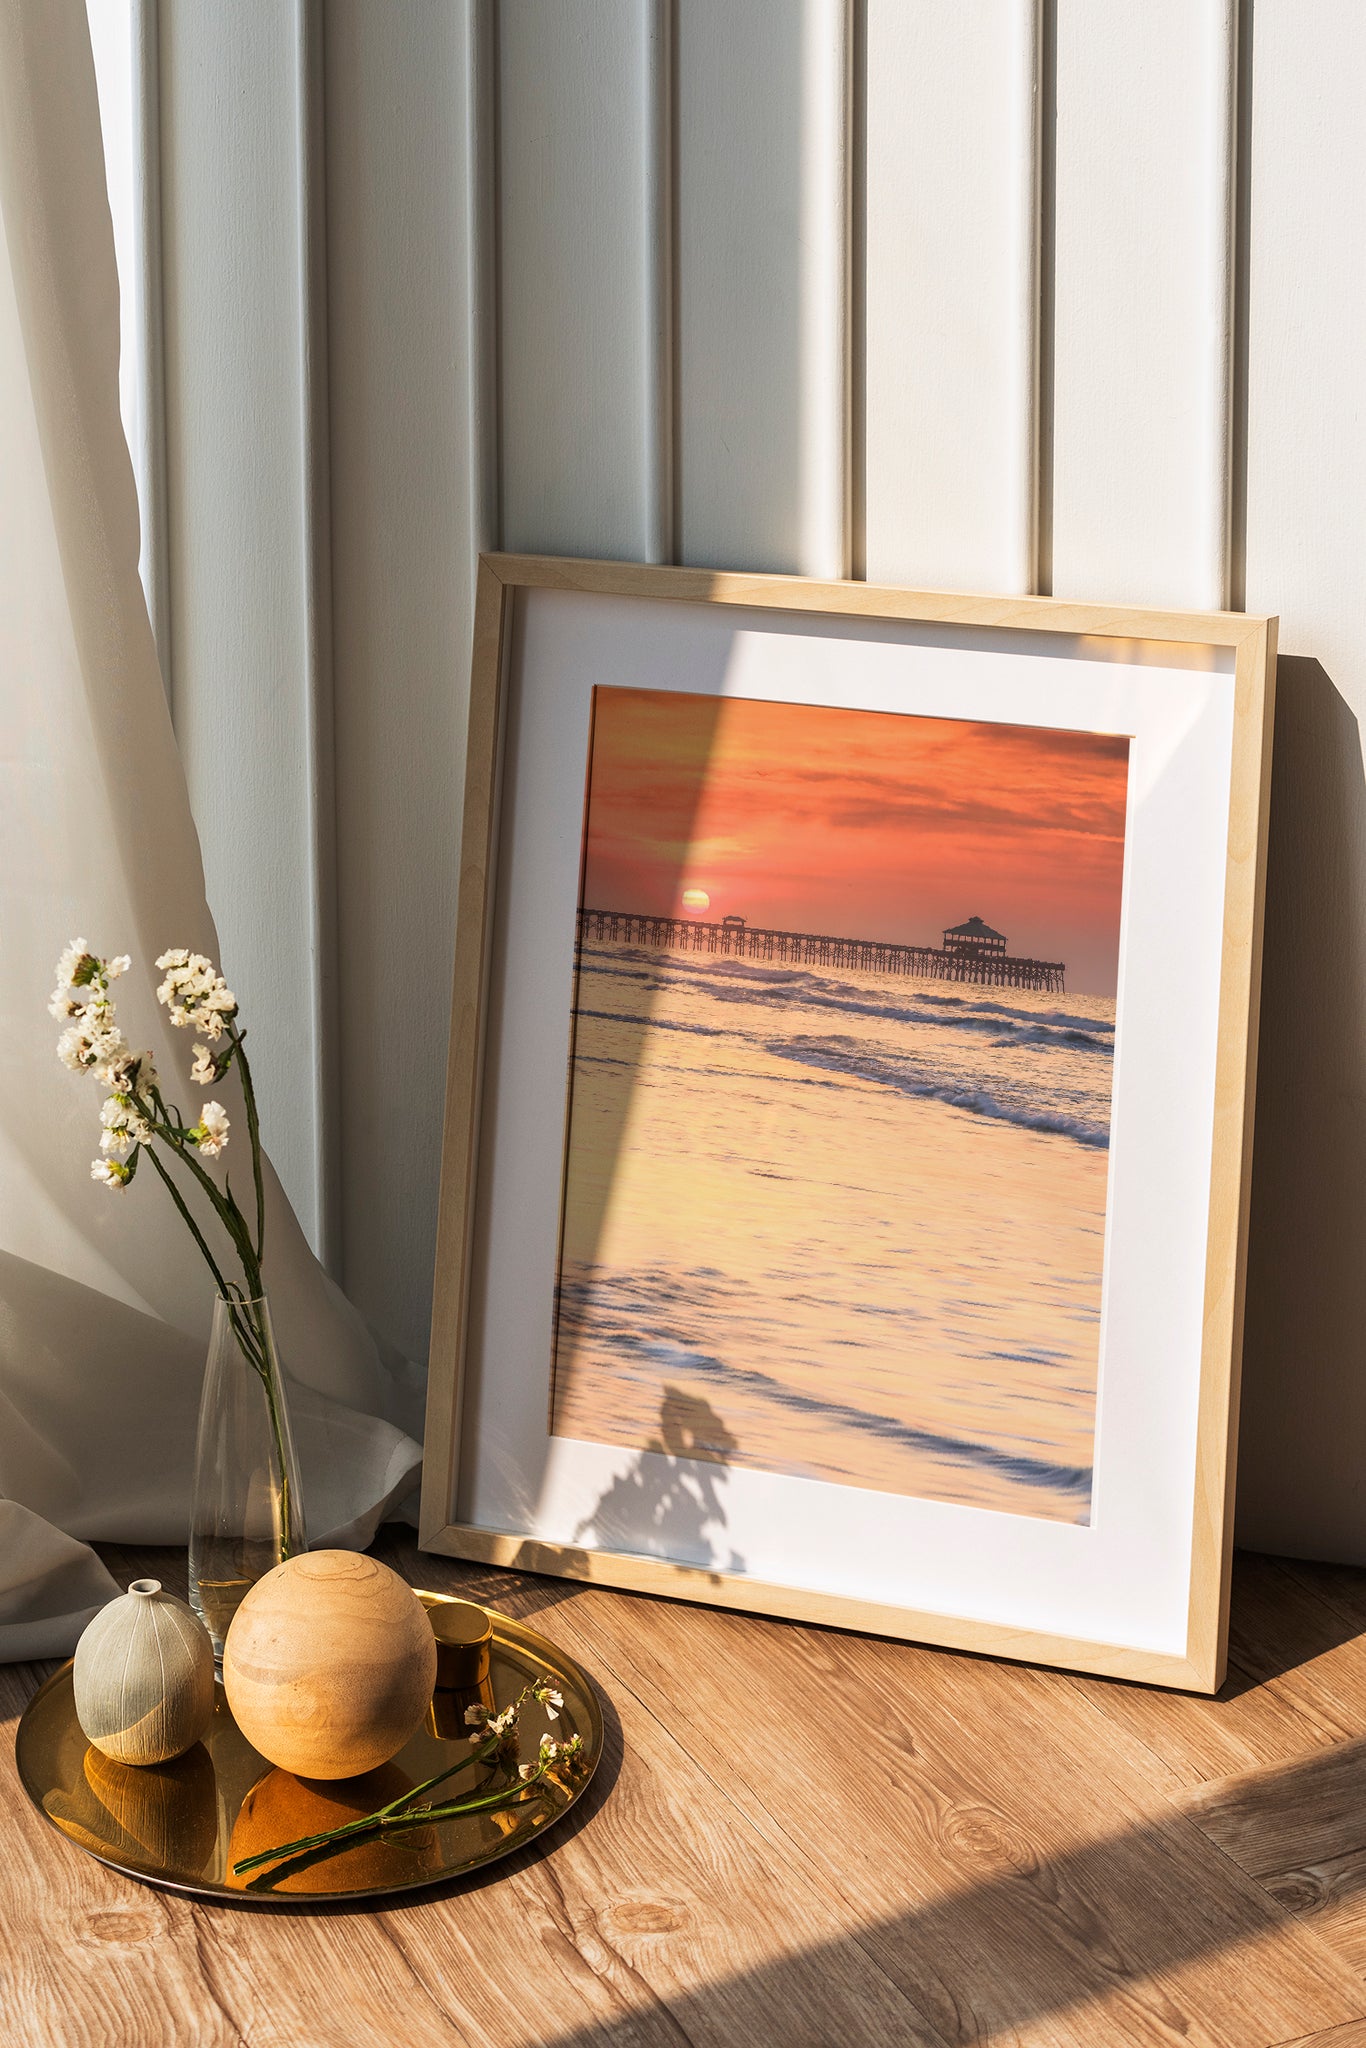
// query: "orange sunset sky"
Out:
[862,824]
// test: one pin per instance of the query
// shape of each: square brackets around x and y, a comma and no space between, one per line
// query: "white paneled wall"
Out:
[1141,300]
[1002,294]
[951,379]
[761,159]
[583,336]
[410,127]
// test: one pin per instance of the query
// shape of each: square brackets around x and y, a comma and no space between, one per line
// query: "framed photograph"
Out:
[848,1122]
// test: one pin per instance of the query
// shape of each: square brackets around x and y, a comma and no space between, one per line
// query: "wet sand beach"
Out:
[858,1220]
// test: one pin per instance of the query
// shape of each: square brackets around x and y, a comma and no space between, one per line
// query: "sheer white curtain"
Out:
[104,1301]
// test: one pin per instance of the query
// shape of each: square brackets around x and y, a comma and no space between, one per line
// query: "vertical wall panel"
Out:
[407,96]
[1141,292]
[950,326]
[762,210]
[1301,1481]
[233,95]
[580,169]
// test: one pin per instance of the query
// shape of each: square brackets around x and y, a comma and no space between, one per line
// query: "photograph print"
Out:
[840,1080]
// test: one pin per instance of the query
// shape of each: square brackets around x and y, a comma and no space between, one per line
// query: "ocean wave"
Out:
[1041,1070]
[756,983]
[904,1079]
[667,1355]
[981,1006]
[648,1023]
[1042,1034]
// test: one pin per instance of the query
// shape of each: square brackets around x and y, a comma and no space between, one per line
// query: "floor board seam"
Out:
[1306,1589]
[1170,1814]
[1286,1916]
[1097,1706]
[207,1977]
[802,1865]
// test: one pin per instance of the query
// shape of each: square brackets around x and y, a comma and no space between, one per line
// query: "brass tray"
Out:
[181,1825]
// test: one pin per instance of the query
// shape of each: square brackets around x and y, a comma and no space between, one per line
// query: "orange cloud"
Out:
[861,823]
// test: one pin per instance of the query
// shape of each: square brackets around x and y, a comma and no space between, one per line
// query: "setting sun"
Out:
[868,824]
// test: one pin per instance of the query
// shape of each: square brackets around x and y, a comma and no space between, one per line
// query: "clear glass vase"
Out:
[246,1512]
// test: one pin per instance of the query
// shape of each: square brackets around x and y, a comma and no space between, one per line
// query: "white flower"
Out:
[83,978]
[75,1048]
[123,1127]
[551,1700]
[76,964]
[211,1132]
[116,1062]
[205,1068]
[92,1046]
[549,1753]
[196,995]
[475,1717]
[110,1172]
[133,1074]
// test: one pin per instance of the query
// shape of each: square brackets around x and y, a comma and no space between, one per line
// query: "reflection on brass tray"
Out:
[499,1780]
[184,1825]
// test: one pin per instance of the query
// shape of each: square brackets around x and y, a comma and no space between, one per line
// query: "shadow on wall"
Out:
[1303,1437]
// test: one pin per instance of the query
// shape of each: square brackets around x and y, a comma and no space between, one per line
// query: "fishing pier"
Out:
[970,952]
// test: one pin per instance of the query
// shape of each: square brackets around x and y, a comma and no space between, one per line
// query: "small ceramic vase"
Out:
[143,1677]
[330,1664]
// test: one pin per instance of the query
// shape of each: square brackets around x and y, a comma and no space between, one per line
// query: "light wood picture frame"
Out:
[1200,686]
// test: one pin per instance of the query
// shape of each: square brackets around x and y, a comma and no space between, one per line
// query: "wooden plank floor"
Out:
[801,1837]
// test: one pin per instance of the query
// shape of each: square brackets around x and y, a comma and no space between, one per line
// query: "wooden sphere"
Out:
[143,1677]
[329,1664]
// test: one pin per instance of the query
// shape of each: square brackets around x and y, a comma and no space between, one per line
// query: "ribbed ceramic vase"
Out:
[246,1515]
[143,1677]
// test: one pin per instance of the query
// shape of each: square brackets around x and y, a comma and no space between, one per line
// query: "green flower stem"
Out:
[516,1793]
[247,1338]
[227,1210]
[195,1231]
[269,1380]
[247,1316]
[248,1325]
[254,1133]
[370,1821]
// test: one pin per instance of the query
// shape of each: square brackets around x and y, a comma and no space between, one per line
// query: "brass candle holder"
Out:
[464,1644]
